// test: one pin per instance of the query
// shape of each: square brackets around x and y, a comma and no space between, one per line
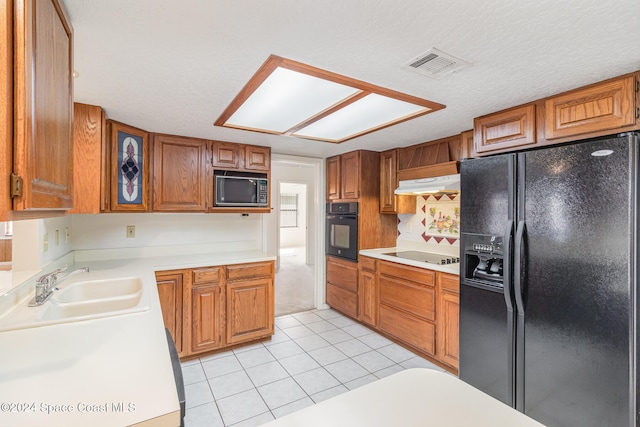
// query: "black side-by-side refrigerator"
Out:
[548,297]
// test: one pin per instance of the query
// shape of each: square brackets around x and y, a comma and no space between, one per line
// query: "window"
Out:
[288,210]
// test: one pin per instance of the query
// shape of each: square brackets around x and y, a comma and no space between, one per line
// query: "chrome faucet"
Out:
[45,285]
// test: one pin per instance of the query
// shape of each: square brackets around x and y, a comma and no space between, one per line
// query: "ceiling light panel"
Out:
[371,112]
[292,98]
[287,98]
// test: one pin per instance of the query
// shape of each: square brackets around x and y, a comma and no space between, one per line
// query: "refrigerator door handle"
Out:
[508,299]
[517,267]
[517,289]
[508,239]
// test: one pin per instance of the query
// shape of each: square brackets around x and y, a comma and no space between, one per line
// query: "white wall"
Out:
[28,242]
[108,231]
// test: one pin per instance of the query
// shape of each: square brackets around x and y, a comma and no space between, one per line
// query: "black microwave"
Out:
[241,189]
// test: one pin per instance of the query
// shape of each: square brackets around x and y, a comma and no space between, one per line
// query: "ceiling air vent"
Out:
[436,63]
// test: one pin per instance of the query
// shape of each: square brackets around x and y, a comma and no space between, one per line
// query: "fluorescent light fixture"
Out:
[290,98]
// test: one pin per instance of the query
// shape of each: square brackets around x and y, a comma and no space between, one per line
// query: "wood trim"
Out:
[449,168]
[6,98]
[88,121]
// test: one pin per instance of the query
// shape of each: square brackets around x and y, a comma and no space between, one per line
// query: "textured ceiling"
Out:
[173,66]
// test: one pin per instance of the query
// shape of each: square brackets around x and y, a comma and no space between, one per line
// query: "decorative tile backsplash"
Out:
[436,221]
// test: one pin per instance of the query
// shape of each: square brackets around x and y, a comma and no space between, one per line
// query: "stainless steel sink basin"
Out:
[89,299]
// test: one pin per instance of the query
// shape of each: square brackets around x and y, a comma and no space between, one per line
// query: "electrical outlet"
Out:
[131,231]
[45,242]
[57,237]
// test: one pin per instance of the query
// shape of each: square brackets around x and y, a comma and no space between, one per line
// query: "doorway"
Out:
[295,276]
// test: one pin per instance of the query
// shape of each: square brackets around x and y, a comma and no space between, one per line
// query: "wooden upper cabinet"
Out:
[608,105]
[128,168]
[467,147]
[43,105]
[350,175]
[390,203]
[90,186]
[179,174]
[514,128]
[333,178]
[257,158]
[226,155]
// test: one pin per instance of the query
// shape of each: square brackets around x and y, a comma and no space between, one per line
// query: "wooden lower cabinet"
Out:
[211,308]
[367,297]
[416,307]
[170,290]
[448,318]
[342,285]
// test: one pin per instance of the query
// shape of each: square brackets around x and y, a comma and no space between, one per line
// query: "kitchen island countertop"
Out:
[410,398]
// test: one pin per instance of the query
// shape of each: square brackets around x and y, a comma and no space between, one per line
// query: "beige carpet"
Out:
[294,287]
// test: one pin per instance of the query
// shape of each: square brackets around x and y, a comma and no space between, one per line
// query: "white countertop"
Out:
[410,398]
[111,371]
[380,254]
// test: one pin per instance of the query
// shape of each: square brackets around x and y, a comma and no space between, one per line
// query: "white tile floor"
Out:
[312,356]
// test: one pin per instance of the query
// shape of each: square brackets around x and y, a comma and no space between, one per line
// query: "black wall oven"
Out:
[342,230]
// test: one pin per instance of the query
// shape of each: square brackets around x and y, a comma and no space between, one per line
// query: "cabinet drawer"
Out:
[416,299]
[410,329]
[599,107]
[449,282]
[342,300]
[342,273]
[415,274]
[367,263]
[249,271]
[206,275]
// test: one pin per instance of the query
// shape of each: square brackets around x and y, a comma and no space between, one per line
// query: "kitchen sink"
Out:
[99,289]
[90,299]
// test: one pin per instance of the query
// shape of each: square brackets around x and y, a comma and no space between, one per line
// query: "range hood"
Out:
[432,185]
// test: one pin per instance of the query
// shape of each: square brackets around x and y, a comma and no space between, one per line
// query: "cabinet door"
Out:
[129,168]
[226,155]
[249,310]
[448,328]
[350,175]
[89,141]
[170,289]
[596,108]
[515,128]
[367,298]
[333,178]
[43,105]
[389,202]
[207,317]
[257,158]
[179,174]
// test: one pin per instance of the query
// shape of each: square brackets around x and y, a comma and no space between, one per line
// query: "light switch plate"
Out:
[45,242]
[131,231]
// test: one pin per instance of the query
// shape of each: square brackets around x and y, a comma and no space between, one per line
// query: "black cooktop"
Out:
[425,257]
